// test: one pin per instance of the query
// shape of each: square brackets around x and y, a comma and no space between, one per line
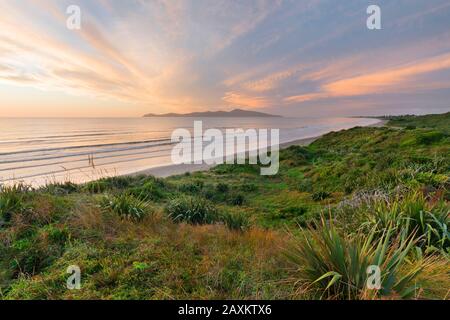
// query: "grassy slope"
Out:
[44,231]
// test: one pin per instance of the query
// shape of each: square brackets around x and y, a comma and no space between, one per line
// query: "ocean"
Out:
[39,151]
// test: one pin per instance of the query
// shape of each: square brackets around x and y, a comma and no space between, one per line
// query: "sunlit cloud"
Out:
[391,80]
[241,100]
[180,56]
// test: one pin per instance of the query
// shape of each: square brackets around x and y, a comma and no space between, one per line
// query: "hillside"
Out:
[435,121]
[353,198]
[236,113]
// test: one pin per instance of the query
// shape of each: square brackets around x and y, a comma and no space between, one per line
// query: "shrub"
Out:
[57,235]
[222,188]
[11,201]
[98,186]
[149,191]
[336,266]
[305,185]
[192,187]
[320,195]
[237,169]
[193,210]
[236,221]
[126,206]
[430,137]
[249,187]
[120,182]
[237,199]
[427,221]
[60,188]
[296,155]
[293,212]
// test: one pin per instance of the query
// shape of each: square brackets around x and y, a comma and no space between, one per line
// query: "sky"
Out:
[289,57]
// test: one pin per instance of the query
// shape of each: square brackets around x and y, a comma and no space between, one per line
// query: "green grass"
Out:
[224,233]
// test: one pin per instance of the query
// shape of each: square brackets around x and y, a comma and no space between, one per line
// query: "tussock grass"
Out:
[335,266]
[193,210]
[236,221]
[126,206]
[11,201]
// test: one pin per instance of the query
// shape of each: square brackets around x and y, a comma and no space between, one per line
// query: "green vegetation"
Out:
[192,210]
[431,121]
[354,198]
[126,206]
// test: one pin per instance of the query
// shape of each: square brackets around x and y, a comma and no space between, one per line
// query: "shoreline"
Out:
[179,169]
[159,170]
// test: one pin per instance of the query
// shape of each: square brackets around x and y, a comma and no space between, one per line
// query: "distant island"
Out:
[236,113]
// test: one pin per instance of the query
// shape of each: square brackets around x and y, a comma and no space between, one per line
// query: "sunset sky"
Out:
[297,58]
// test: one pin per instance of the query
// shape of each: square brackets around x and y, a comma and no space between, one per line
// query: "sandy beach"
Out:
[56,151]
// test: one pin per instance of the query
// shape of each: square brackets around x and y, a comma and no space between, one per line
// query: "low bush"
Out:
[126,206]
[149,191]
[236,199]
[193,187]
[428,221]
[222,187]
[60,188]
[238,221]
[335,266]
[11,201]
[320,195]
[119,182]
[430,137]
[249,187]
[193,210]
[98,186]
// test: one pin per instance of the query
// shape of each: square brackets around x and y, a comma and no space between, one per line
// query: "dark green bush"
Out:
[293,212]
[193,210]
[11,202]
[192,187]
[430,137]
[296,155]
[222,187]
[126,206]
[320,195]
[98,186]
[236,199]
[238,221]
[149,191]
[120,182]
[305,185]
[61,188]
[249,187]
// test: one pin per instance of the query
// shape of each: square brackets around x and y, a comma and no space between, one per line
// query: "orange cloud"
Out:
[390,80]
[305,97]
[237,99]
[387,80]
